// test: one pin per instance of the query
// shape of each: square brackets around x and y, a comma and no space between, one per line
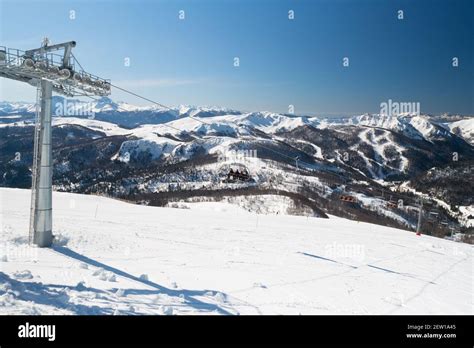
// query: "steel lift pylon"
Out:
[49,72]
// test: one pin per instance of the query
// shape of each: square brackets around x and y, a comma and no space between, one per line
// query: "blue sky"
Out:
[282,61]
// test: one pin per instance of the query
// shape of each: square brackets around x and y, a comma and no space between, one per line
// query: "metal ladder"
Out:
[35,167]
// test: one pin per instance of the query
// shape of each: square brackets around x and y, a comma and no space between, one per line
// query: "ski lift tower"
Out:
[48,68]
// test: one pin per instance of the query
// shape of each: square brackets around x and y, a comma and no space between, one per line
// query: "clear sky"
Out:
[282,61]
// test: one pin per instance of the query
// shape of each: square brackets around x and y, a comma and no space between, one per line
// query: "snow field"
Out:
[112,257]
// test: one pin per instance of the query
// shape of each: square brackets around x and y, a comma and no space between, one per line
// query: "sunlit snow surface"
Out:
[113,257]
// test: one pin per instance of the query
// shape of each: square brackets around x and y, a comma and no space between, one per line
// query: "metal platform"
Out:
[67,76]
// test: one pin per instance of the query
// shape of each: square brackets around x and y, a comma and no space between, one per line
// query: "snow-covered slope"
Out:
[415,127]
[215,258]
[107,128]
[463,128]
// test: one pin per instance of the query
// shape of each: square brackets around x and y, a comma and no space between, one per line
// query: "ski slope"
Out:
[112,257]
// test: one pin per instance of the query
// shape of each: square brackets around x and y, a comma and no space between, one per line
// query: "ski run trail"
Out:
[113,257]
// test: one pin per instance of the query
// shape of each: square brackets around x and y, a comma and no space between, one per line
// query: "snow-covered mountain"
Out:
[125,150]
[417,126]
[463,128]
[131,116]
[13,108]
[105,109]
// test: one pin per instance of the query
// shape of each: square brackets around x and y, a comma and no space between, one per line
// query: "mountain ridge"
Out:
[135,154]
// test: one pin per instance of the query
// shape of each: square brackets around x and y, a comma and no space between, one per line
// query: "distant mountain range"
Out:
[156,155]
[131,116]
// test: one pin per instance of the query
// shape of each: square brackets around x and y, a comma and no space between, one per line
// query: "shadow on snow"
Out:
[56,294]
[189,295]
